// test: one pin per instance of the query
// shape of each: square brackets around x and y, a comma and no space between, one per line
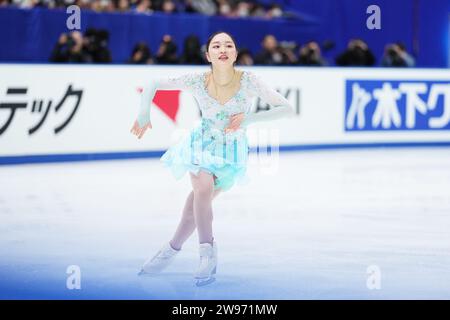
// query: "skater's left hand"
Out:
[138,131]
[235,122]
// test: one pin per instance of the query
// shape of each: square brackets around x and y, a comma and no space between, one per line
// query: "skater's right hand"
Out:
[138,131]
[235,122]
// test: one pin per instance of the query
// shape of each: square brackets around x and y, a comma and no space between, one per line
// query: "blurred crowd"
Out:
[75,47]
[227,8]
[92,47]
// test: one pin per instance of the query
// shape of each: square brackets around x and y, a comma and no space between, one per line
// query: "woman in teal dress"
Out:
[216,152]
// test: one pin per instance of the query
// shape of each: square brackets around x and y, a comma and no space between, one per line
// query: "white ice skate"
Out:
[159,261]
[208,264]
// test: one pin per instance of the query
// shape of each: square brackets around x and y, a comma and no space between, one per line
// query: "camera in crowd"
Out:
[92,47]
[396,56]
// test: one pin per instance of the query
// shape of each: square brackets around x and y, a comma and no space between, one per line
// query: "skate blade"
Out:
[141,273]
[204,282]
[147,274]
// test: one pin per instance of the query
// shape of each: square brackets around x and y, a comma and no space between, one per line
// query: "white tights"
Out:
[197,211]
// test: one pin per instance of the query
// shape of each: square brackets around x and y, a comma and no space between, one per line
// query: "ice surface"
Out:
[309,231]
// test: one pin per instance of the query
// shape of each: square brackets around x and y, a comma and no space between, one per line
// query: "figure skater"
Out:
[215,153]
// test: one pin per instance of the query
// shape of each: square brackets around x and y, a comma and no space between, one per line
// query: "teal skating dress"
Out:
[208,147]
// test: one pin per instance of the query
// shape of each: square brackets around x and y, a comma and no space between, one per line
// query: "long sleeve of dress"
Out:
[183,82]
[281,107]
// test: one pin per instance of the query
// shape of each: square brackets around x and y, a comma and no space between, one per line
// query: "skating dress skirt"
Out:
[209,149]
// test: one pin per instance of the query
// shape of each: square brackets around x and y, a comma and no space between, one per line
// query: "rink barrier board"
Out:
[334,108]
[52,158]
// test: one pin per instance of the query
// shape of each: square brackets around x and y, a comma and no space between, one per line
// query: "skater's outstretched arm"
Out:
[280,106]
[143,120]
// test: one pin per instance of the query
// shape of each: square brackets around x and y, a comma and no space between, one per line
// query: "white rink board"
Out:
[110,102]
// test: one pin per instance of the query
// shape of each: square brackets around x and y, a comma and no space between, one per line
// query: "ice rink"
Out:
[314,228]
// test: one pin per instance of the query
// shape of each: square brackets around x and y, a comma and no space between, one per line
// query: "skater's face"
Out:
[222,50]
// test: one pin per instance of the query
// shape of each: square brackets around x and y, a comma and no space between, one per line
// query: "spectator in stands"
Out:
[96,44]
[157,5]
[310,55]
[239,8]
[144,6]
[287,49]
[357,54]
[225,8]
[33,3]
[23,3]
[395,55]
[103,6]
[206,7]
[271,53]
[192,53]
[70,48]
[169,7]
[141,54]
[122,5]
[167,52]
[274,11]
[257,10]
[244,57]
[243,9]
[86,4]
